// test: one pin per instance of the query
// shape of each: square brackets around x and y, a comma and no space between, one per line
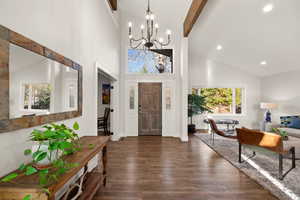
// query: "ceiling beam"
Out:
[113,4]
[192,16]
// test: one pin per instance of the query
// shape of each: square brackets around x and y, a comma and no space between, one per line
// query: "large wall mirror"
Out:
[37,85]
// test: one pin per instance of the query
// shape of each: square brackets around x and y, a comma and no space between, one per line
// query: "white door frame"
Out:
[114,104]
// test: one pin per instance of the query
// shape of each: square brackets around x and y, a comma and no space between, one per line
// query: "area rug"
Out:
[263,168]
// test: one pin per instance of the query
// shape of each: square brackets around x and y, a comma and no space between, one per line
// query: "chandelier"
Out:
[149,34]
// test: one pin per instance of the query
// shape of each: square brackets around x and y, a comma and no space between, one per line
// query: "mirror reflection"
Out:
[39,85]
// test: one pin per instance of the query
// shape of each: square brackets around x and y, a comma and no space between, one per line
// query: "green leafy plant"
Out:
[282,133]
[196,105]
[59,140]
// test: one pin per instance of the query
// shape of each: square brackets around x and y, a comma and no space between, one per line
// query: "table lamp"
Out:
[268,107]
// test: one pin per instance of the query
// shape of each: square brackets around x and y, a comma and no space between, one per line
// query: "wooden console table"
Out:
[84,180]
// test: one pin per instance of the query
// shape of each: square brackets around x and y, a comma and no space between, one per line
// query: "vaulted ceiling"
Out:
[170,13]
[259,42]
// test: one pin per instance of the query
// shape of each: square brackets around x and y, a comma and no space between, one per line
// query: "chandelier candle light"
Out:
[150,39]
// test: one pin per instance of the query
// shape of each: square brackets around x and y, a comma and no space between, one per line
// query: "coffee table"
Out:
[231,123]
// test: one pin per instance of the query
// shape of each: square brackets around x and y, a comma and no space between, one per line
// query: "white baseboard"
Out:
[115,138]
[184,139]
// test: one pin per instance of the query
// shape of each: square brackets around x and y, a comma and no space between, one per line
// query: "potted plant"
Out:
[282,133]
[53,142]
[50,144]
[196,105]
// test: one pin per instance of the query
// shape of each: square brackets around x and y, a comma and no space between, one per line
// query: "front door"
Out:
[150,109]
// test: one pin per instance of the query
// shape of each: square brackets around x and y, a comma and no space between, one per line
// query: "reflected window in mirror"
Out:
[39,85]
[37,97]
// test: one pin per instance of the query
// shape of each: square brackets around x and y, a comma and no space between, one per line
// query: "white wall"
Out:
[83,31]
[282,89]
[207,73]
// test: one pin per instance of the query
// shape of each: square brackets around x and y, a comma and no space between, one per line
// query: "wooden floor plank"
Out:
[156,168]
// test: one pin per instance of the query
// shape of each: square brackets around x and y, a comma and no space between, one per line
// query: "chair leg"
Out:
[293,157]
[105,129]
[280,172]
[240,153]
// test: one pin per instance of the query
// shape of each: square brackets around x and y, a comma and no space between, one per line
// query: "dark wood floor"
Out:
[155,168]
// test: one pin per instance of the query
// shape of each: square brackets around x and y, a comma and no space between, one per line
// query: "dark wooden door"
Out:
[150,109]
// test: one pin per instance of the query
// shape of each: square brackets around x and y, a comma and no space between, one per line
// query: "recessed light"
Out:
[263,62]
[219,48]
[268,8]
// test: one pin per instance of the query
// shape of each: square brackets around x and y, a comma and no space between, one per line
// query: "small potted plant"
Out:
[51,144]
[282,133]
[196,106]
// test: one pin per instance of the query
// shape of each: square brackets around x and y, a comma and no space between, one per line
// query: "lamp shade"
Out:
[268,106]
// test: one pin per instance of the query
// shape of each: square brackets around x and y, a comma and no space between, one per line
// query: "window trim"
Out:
[234,114]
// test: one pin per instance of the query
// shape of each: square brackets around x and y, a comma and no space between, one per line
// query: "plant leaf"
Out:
[45,190]
[35,154]
[27,152]
[61,171]
[58,163]
[43,180]
[40,156]
[30,170]
[54,177]
[9,177]
[27,197]
[22,167]
[53,146]
[72,165]
[65,145]
[76,126]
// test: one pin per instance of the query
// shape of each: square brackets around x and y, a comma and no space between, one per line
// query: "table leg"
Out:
[104,161]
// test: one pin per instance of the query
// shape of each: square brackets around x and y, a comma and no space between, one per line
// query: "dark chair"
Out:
[103,121]
[215,130]
[269,141]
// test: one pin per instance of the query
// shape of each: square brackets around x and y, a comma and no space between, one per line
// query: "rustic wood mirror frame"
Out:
[6,124]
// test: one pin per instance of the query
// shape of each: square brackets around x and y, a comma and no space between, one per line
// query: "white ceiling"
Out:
[170,13]
[249,36]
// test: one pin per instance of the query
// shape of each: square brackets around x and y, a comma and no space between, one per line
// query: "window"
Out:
[156,61]
[37,96]
[131,98]
[223,100]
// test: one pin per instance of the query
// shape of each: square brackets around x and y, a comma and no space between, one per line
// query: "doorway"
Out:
[150,109]
[104,86]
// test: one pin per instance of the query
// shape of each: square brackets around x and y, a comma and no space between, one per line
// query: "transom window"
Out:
[154,61]
[223,100]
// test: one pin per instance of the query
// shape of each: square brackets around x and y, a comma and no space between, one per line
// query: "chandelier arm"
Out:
[136,40]
[151,35]
[165,44]
[155,44]
[135,47]
[148,31]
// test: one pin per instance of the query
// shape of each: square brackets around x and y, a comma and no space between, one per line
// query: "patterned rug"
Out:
[263,168]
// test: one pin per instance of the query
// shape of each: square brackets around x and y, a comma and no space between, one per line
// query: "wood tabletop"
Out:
[91,146]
